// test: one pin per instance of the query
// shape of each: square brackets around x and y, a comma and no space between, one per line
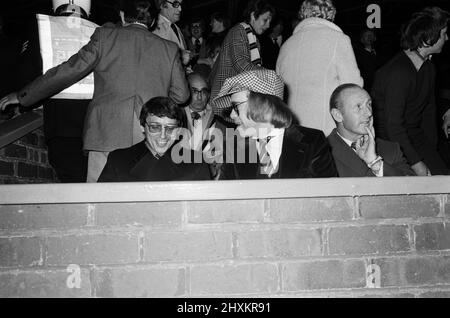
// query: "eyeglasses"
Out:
[175,4]
[202,91]
[157,129]
[235,106]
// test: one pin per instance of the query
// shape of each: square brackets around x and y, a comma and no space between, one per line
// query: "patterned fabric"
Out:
[266,164]
[234,58]
[261,81]
[252,42]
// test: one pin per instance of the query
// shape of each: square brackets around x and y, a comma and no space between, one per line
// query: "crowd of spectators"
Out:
[244,101]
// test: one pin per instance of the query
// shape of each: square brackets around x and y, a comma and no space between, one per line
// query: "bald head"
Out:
[199,92]
[351,108]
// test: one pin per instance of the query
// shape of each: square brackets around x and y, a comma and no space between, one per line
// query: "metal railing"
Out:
[17,127]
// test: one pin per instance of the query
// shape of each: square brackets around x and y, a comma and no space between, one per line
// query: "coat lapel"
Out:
[346,156]
[293,154]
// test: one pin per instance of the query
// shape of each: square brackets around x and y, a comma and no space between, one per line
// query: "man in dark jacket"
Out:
[355,150]
[161,156]
[266,144]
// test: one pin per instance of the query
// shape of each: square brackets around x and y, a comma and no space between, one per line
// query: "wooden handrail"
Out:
[14,129]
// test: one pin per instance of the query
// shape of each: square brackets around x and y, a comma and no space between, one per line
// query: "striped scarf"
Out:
[254,50]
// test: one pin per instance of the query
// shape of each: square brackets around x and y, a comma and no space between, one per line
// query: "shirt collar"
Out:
[273,133]
[164,19]
[347,141]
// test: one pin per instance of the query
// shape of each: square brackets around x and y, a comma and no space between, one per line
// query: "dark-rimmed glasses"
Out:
[157,128]
[203,91]
[175,4]
[235,106]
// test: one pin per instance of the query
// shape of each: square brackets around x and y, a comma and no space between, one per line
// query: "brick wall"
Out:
[26,161]
[346,246]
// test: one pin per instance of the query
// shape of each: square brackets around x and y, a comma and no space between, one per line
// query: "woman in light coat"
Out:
[315,60]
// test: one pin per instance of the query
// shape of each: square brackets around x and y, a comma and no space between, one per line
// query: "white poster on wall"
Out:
[60,38]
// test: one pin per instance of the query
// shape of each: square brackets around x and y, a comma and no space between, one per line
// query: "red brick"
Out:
[16,151]
[329,274]
[387,294]
[30,139]
[191,246]
[432,236]
[427,271]
[140,282]
[61,216]
[82,249]
[45,173]
[286,243]
[139,214]
[48,283]
[405,206]
[27,170]
[436,294]
[365,240]
[6,168]
[390,271]
[413,271]
[447,206]
[311,210]
[229,279]
[44,158]
[245,211]
[20,252]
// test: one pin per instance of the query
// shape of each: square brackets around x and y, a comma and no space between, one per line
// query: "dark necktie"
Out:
[195,116]
[174,28]
[197,46]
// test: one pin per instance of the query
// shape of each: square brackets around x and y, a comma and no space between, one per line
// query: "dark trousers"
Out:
[67,157]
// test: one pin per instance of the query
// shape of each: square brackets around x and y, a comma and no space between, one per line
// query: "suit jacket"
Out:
[164,31]
[305,154]
[203,52]
[131,65]
[350,165]
[137,163]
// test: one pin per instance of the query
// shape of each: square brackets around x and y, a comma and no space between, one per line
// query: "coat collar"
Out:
[314,22]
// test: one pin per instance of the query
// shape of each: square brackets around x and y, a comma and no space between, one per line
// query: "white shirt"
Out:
[165,31]
[193,40]
[274,146]
[378,173]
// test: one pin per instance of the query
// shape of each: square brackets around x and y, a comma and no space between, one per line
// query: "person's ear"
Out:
[142,128]
[252,17]
[337,115]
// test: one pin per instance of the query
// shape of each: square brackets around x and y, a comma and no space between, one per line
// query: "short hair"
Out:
[136,10]
[268,108]
[324,9]
[163,107]
[424,28]
[336,95]
[197,74]
[221,17]
[257,7]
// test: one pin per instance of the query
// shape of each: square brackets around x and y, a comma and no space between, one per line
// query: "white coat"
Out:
[315,60]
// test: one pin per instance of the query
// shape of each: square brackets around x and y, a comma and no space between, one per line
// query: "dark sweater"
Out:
[404,105]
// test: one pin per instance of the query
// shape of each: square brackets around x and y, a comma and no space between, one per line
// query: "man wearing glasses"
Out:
[155,158]
[267,144]
[167,29]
